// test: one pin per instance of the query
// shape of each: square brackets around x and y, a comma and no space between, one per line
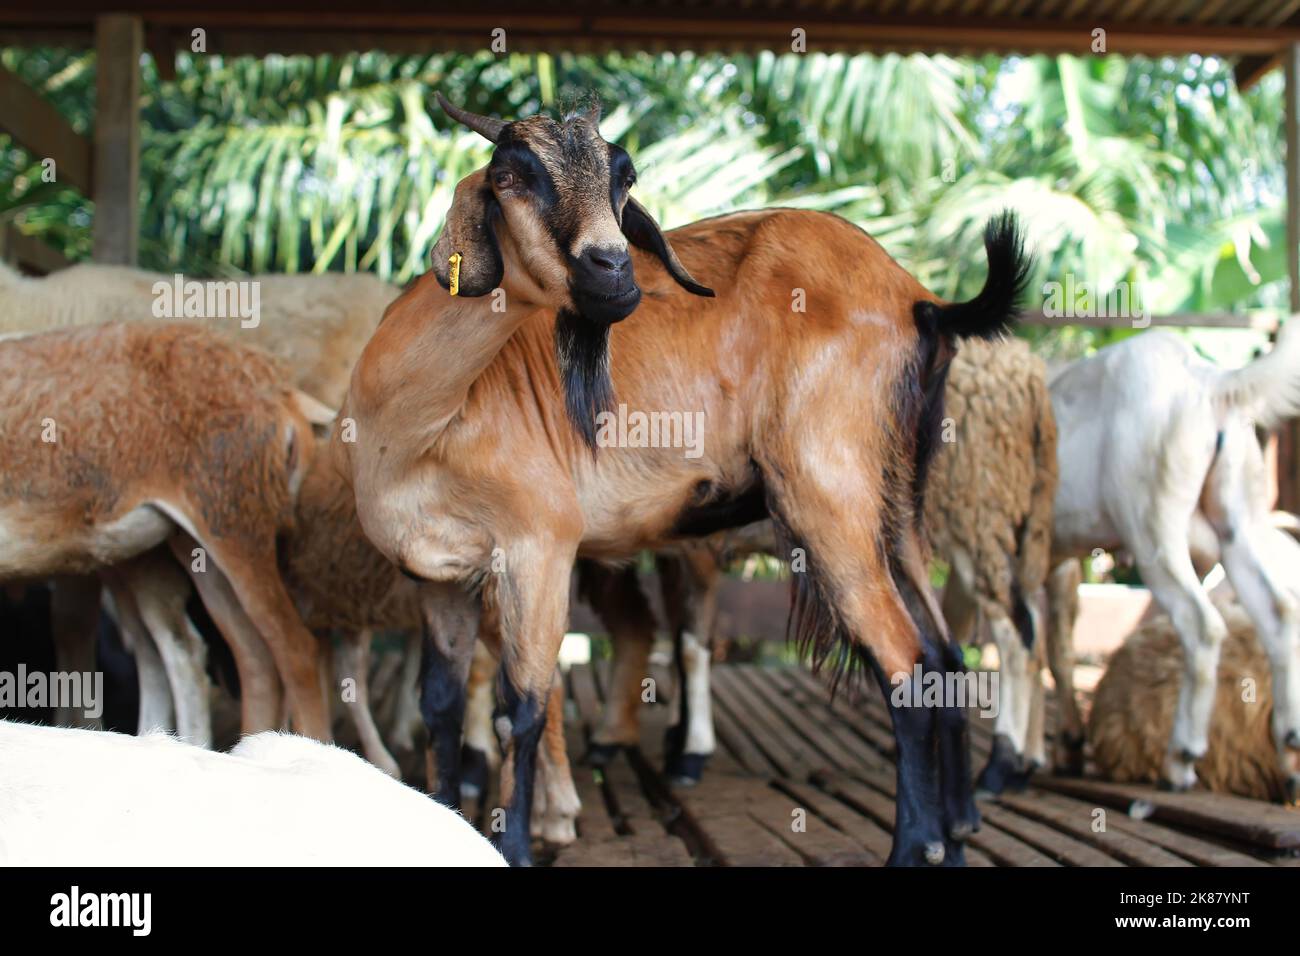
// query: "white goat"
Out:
[1158,455]
[275,800]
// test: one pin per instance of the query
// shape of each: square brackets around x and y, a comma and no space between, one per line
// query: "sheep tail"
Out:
[1268,389]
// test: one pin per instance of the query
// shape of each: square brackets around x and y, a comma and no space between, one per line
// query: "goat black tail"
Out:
[994,311]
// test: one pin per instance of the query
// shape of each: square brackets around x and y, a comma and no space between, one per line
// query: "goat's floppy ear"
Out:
[467,233]
[644,233]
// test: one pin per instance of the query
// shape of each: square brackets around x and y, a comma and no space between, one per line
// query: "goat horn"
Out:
[485,126]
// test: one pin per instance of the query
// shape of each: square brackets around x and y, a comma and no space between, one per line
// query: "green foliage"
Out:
[1155,172]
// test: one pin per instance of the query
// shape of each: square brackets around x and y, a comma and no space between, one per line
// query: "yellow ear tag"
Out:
[455,273]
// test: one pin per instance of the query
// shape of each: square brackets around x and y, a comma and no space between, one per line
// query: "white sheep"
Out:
[71,797]
[1158,455]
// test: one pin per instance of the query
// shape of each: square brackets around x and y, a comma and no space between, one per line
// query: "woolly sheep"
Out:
[989,513]
[1133,711]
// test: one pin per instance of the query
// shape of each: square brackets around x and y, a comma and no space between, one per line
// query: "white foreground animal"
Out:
[72,797]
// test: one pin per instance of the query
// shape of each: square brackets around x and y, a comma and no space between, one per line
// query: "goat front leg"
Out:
[533,602]
[450,617]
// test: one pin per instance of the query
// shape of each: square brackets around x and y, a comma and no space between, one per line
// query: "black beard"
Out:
[582,351]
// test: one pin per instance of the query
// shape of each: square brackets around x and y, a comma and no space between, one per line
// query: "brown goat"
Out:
[818,368]
[118,437]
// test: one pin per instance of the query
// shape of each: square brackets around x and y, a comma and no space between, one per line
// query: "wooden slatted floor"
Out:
[798,780]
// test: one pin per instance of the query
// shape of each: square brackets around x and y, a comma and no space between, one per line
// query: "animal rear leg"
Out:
[479,755]
[406,707]
[847,604]
[555,803]
[160,590]
[450,617]
[260,691]
[259,589]
[690,592]
[354,662]
[1277,620]
[1200,627]
[74,613]
[1063,607]
[156,712]
[621,606]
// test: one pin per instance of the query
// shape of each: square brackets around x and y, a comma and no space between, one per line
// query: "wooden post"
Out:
[118,43]
[1288,457]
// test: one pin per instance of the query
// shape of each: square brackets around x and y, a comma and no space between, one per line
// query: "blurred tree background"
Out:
[1153,172]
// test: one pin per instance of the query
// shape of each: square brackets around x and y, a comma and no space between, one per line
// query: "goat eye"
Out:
[503,179]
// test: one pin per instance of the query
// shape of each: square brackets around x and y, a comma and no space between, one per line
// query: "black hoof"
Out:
[954,853]
[473,773]
[601,755]
[928,853]
[1168,786]
[685,770]
[1004,771]
[1069,756]
[961,831]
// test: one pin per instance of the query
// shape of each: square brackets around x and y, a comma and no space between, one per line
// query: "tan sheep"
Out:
[316,324]
[1133,711]
[119,439]
[989,514]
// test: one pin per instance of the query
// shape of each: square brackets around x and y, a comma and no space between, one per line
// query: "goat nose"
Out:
[611,260]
